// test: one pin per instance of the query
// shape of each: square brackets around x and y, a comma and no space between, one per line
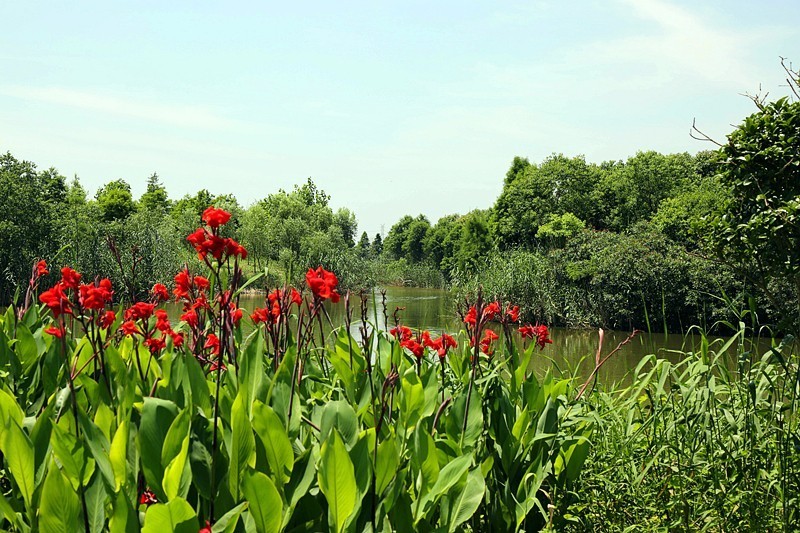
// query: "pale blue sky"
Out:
[392,108]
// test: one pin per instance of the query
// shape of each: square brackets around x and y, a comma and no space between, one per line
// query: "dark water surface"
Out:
[434,310]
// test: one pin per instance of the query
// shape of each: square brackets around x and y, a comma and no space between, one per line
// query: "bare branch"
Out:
[700,135]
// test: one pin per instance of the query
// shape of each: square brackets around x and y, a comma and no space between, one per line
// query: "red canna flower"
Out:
[216,217]
[486,343]
[413,346]
[403,333]
[323,284]
[107,319]
[538,332]
[201,283]
[260,315]
[190,317]
[155,344]
[162,321]
[160,292]
[140,311]
[70,278]
[236,314]
[57,332]
[129,328]
[207,528]
[183,285]
[147,498]
[471,317]
[177,339]
[93,296]
[512,313]
[491,311]
[212,342]
[56,299]
[41,268]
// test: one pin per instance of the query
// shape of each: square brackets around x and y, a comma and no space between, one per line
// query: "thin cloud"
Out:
[176,115]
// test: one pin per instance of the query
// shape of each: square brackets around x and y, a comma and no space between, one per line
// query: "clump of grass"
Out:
[709,443]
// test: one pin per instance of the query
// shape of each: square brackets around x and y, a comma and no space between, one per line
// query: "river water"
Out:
[434,310]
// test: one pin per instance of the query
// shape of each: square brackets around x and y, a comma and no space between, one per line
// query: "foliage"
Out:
[760,222]
[140,424]
[708,442]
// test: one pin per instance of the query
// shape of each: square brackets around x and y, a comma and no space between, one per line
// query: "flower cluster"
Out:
[322,284]
[279,301]
[138,323]
[210,242]
[538,332]
[71,297]
[440,345]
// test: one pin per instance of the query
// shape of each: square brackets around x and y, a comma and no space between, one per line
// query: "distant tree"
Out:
[377,245]
[412,247]
[363,246]
[559,228]
[518,167]
[115,200]
[155,198]
[393,245]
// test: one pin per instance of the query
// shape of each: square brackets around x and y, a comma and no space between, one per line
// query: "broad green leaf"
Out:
[467,501]
[177,433]
[449,475]
[339,415]
[242,445]
[176,516]
[265,505]
[95,504]
[18,451]
[157,417]
[276,443]
[337,481]
[176,482]
[413,399]
[124,519]
[99,447]
[118,455]
[424,459]
[227,523]
[60,508]
[26,348]
[388,462]
[251,367]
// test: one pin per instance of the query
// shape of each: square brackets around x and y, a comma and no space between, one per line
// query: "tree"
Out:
[115,200]
[412,247]
[363,246]
[155,198]
[377,246]
[760,227]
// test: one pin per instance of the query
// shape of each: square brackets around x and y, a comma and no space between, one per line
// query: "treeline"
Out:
[621,244]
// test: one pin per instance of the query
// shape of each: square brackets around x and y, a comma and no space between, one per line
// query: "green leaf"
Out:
[467,501]
[157,417]
[339,415]
[228,522]
[18,451]
[176,516]
[388,462]
[59,508]
[176,483]
[99,447]
[266,507]
[251,367]
[413,398]
[242,445]
[337,481]
[449,475]
[124,518]
[95,504]
[118,455]
[278,448]
[26,348]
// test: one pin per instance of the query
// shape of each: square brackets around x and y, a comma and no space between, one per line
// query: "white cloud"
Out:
[185,116]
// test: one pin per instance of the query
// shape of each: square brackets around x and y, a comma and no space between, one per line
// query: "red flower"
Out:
[403,333]
[212,342]
[233,248]
[512,313]
[260,315]
[162,321]
[160,292]
[41,268]
[140,310]
[471,317]
[197,238]
[93,296]
[155,345]
[486,343]
[107,319]
[440,345]
[56,300]
[190,317]
[216,217]
[414,347]
[206,529]
[129,328]
[236,313]
[539,332]
[147,498]
[323,284]
[201,283]
[70,278]
[177,339]
[57,332]
[491,311]
[183,284]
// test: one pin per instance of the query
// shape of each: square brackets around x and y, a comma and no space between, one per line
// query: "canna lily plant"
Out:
[120,419]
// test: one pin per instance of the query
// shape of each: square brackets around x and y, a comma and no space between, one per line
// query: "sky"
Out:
[392,108]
